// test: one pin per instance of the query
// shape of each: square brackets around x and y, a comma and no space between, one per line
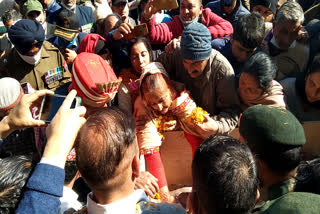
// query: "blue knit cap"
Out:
[196,42]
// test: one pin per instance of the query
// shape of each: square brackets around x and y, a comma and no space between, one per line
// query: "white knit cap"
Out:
[10,93]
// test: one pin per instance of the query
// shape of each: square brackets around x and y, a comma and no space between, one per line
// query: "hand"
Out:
[172,45]
[123,31]
[148,183]
[303,35]
[149,10]
[207,128]
[70,55]
[63,129]
[170,125]
[21,117]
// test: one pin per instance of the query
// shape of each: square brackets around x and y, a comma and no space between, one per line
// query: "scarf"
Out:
[273,96]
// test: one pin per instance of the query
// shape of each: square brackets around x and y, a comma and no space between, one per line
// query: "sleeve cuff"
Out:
[47,178]
[57,163]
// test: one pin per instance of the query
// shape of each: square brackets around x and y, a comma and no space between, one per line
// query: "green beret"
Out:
[295,203]
[261,124]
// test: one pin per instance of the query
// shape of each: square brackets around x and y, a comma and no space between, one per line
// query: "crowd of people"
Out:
[205,68]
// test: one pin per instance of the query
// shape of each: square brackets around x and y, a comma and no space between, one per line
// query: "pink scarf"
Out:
[273,96]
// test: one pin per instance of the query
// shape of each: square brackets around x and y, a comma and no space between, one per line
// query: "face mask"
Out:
[185,23]
[32,60]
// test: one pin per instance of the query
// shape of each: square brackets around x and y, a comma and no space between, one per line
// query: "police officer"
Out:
[34,60]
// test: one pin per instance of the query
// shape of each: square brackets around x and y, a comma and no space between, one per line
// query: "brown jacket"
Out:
[214,90]
[50,73]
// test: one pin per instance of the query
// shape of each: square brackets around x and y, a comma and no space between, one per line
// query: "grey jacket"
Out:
[214,90]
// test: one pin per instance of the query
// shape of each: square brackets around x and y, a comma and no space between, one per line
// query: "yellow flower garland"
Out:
[197,116]
[161,124]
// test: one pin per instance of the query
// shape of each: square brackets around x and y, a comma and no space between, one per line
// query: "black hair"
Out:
[315,65]
[146,43]
[249,30]
[14,174]
[119,22]
[281,159]
[308,176]
[102,144]
[11,14]
[262,68]
[225,176]
[71,170]
[300,83]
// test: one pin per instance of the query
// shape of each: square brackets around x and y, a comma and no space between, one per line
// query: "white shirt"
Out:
[69,200]
[126,205]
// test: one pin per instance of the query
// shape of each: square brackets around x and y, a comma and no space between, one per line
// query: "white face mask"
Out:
[32,60]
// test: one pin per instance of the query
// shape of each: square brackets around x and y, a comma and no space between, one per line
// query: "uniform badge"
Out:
[86,28]
[54,75]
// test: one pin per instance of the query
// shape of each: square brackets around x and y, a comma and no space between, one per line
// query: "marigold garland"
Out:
[161,124]
[197,116]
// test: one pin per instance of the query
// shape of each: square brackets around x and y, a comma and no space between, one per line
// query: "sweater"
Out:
[214,90]
[165,32]
[43,190]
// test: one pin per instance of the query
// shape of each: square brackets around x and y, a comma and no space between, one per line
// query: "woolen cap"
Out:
[10,93]
[261,124]
[270,4]
[25,34]
[93,78]
[31,5]
[294,203]
[196,42]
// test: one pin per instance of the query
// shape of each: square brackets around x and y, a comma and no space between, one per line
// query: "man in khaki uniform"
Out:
[34,60]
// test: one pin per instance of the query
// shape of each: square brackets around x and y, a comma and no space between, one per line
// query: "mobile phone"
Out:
[50,105]
[138,31]
[165,4]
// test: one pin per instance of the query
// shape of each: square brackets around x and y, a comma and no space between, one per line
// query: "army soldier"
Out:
[276,138]
[34,60]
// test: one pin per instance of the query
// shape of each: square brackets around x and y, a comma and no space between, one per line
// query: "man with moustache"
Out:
[207,74]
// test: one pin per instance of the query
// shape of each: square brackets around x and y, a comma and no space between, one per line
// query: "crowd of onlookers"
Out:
[127,73]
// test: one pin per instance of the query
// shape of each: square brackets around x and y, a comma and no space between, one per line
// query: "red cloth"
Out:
[89,43]
[194,142]
[156,168]
[165,32]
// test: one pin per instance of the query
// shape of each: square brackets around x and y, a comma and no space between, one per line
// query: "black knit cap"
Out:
[261,124]
[25,34]
[270,4]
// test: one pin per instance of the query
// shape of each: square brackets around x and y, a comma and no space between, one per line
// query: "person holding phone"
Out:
[46,182]
[191,11]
